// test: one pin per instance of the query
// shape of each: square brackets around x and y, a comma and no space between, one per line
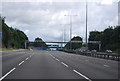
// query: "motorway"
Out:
[35,64]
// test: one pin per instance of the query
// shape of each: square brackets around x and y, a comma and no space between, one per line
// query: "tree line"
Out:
[12,38]
[38,42]
[109,38]
[15,38]
[71,45]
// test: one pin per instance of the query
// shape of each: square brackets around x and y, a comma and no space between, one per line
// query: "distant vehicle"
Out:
[81,50]
[108,51]
[93,51]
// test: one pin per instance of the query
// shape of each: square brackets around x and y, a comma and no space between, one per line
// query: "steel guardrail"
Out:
[109,56]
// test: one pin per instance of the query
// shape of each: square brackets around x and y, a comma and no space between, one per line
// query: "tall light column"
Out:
[70,28]
[64,32]
[86,24]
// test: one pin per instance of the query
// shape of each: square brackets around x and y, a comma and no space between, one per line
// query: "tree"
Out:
[74,45]
[110,39]
[94,36]
[39,43]
[12,38]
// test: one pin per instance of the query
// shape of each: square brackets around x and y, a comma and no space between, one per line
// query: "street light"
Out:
[86,24]
[70,28]
[64,33]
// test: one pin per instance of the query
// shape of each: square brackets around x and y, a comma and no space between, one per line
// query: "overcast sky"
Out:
[43,19]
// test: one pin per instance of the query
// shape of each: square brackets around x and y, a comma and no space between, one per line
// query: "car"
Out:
[81,50]
[93,51]
[108,51]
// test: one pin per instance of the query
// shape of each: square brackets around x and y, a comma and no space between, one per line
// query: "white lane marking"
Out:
[30,56]
[27,58]
[106,65]
[57,59]
[82,75]
[21,63]
[64,64]
[52,56]
[7,74]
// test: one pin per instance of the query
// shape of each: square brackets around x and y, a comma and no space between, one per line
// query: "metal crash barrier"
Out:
[108,56]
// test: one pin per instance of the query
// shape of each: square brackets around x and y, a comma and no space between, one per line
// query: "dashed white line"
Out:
[30,56]
[73,70]
[7,74]
[64,64]
[53,57]
[21,63]
[27,58]
[106,65]
[82,75]
[57,59]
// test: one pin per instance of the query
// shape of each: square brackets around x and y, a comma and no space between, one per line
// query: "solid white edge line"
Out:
[21,63]
[64,64]
[7,74]
[82,75]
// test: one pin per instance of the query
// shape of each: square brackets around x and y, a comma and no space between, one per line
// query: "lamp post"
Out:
[70,28]
[64,32]
[86,25]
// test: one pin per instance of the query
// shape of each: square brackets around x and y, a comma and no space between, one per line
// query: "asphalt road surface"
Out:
[37,64]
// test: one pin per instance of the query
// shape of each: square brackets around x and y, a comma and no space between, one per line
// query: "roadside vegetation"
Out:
[39,43]
[74,45]
[12,38]
[15,38]
[109,38]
